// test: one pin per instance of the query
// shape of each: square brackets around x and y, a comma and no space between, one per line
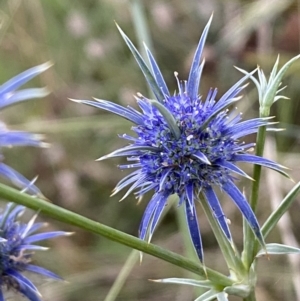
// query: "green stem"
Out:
[249,238]
[69,217]
[235,265]
[122,276]
[260,144]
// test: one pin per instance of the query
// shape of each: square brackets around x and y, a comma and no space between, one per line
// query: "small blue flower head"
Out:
[17,244]
[9,94]
[185,145]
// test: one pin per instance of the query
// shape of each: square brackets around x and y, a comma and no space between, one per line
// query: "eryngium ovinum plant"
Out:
[191,145]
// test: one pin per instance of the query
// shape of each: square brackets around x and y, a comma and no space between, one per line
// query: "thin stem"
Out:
[260,144]
[122,276]
[231,256]
[249,238]
[69,217]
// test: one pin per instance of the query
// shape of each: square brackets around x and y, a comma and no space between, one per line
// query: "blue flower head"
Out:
[17,244]
[9,94]
[185,145]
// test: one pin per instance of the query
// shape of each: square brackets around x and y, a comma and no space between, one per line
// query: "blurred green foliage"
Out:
[91,60]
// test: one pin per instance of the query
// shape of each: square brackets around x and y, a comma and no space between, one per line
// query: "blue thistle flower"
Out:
[16,250]
[10,95]
[185,145]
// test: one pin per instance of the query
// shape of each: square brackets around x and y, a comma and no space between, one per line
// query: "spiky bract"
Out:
[9,94]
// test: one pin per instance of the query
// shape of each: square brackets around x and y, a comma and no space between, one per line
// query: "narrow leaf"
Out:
[278,249]
[280,211]
[186,281]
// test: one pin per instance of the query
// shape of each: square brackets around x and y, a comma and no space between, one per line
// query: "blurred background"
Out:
[91,60]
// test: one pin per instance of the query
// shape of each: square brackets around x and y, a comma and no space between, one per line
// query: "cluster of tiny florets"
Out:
[179,156]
